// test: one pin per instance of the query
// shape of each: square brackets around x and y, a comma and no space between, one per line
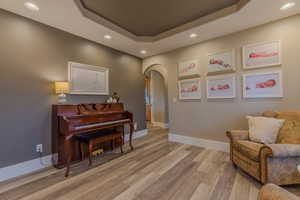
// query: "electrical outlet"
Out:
[135,126]
[39,148]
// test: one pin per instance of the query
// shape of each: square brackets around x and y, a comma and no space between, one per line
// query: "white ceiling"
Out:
[64,15]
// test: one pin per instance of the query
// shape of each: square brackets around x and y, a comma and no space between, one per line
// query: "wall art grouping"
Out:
[262,85]
[188,68]
[262,55]
[221,87]
[221,62]
[189,89]
[255,85]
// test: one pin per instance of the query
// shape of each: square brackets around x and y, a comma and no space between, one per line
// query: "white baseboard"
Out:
[208,144]
[137,134]
[25,167]
[160,124]
[30,166]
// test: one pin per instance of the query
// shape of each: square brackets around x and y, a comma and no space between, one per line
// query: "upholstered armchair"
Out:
[273,192]
[270,163]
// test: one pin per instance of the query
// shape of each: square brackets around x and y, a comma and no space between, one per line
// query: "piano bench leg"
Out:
[130,141]
[123,135]
[112,144]
[81,147]
[121,144]
[90,152]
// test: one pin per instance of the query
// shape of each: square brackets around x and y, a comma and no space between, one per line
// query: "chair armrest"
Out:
[284,150]
[273,192]
[238,135]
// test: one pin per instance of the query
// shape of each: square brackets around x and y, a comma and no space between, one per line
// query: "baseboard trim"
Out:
[26,167]
[160,124]
[31,166]
[209,144]
[137,134]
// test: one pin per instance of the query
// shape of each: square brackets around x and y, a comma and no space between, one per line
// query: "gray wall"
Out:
[209,119]
[32,56]
[159,98]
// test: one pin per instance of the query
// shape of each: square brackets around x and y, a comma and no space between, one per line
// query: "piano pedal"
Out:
[97,152]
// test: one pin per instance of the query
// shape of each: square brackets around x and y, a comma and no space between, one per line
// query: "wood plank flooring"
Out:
[156,169]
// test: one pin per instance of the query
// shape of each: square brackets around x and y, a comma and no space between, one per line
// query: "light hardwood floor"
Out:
[157,169]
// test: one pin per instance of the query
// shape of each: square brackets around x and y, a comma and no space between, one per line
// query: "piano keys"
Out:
[82,127]
[69,120]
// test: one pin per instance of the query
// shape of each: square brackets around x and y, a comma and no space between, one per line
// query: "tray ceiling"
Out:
[69,18]
[145,20]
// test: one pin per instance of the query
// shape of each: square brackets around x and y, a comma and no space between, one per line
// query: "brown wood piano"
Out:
[69,120]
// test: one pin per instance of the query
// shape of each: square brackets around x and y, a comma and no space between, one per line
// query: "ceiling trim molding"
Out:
[200,21]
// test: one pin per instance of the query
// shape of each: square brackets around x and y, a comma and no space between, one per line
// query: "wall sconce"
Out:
[61,88]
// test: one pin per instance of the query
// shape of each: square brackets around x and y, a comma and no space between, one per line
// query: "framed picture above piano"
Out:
[88,80]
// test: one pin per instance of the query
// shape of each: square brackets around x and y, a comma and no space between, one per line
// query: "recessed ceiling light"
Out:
[108,37]
[193,35]
[31,6]
[288,6]
[143,52]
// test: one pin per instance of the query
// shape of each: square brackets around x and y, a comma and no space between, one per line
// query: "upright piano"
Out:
[69,120]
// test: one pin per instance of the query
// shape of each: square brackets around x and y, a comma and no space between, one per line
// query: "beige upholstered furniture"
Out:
[273,192]
[270,163]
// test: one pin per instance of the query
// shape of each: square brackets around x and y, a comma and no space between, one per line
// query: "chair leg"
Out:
[234,165]
[90,152]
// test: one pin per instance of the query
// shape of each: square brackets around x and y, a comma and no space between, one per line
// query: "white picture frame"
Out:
[260,55]
[189,89]
[221,62]
[88,79]
[188,68]
[221,87]
[263,84]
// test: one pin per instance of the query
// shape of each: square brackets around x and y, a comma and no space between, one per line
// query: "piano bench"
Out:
[90,139]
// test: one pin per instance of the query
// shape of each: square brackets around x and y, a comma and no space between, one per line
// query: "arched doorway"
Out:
[156,97]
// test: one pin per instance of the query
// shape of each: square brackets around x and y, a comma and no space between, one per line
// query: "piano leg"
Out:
[68,155]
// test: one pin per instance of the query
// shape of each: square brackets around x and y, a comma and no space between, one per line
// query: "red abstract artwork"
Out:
[219,62]
[262,55]
[194,88]
[188,68]
[221,87]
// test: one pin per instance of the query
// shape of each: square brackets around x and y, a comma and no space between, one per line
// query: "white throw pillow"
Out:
[264,129]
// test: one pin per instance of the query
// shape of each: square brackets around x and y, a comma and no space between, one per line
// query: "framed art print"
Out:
[188,68]
[88,80]
[262,55]
[189,89]
[221,87]
[221,62]
[262,85]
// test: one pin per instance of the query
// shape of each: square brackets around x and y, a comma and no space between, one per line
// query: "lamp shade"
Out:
[61,87]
